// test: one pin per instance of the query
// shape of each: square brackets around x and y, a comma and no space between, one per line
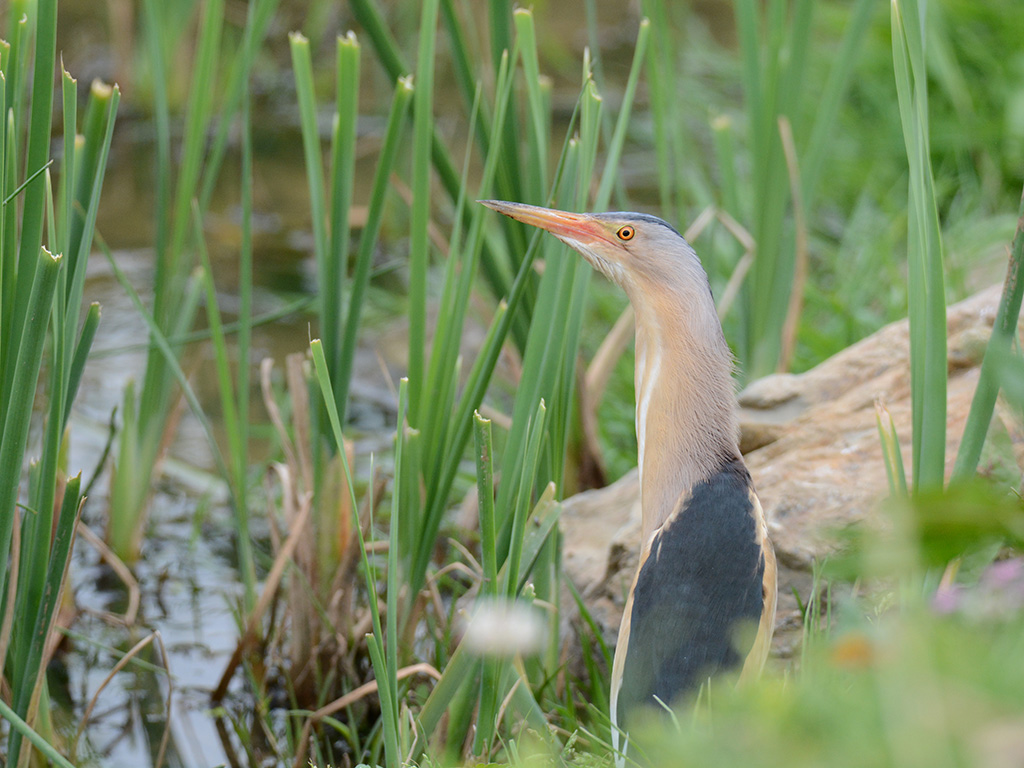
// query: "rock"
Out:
[812,445]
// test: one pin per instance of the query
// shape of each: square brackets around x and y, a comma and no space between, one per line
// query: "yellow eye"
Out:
[626,233]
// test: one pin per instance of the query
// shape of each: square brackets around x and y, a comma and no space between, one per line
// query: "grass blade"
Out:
[383,666]
[33,664]
[23,386]
[614,154]
[235,475]
[303,66]
[368,239]
[1004,331]
[343,153]
[926,291]
[419,246]
[38,151]
[19,726]
[485,494]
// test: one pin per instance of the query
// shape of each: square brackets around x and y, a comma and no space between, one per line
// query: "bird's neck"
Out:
[686,418]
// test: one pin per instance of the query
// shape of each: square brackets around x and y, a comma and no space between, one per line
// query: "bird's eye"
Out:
[626,233]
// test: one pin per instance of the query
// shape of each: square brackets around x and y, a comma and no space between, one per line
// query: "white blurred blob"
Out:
[504,628]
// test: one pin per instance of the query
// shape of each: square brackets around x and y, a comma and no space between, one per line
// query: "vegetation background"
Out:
[258,568]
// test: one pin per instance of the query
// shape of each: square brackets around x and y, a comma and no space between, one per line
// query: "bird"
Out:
[703,598]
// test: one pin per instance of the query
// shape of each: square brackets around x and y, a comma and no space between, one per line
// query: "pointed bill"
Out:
[573,228]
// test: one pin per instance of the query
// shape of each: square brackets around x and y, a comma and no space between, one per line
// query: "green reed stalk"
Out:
[458,428]
[550,358]
[18,399]
[816,154]
[198,119]
[25,730]
[330,212]
[162,124]
[368,240]
[538,108]
[38,149]
[926,290]
[419,245]
[8,229]
[1004,331]
[891,454]
[236,464]
[463,62]
[458,672]
[67,186]
[166,348]
[302,63]
[43,488]
[459,278]
[485,496]
[40,303]
[770,82]
[240,449]
[524,498]
[175,299]
[446,439]
[670,126]
[774,42]
[618,137]
[257,21]
[35,632]
[46,542]
[499,273]
[343,154]
[91,163]
[384,660]
[509,179]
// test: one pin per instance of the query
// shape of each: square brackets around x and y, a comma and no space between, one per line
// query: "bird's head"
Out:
[644,255]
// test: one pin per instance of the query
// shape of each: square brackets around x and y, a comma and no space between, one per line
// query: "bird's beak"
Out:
[576,227]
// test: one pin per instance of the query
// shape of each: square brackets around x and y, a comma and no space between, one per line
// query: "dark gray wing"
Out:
[699,594]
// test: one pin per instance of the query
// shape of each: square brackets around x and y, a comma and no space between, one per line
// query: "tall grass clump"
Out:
[183,191]
[315,488]
[46,234]
[520,556]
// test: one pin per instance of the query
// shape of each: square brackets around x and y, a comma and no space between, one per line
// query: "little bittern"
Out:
[703,597]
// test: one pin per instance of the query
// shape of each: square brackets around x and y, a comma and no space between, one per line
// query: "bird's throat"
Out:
[686,421]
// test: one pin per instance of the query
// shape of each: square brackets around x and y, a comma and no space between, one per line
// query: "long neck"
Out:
[686,420]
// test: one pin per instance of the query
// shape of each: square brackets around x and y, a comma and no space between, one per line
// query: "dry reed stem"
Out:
[595,380]
[508,699]
[474,564]
[383,365]
[266,368]
[404,192]
[122,571]
[347,700]
[796,297]
[121,664]
[746,240]
[299,392]
[269,590]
